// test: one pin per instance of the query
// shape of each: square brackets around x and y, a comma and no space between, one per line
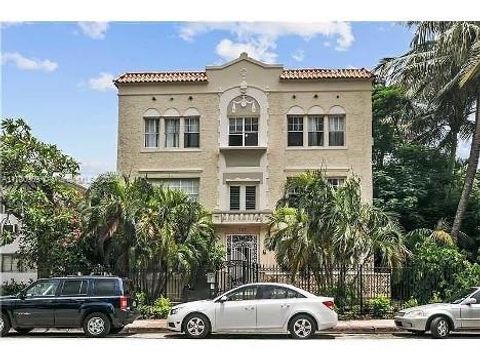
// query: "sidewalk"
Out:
[345,327]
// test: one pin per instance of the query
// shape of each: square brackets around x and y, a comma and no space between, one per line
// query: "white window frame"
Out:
[192,190]
[186,126]
[178,133]
[336,181]
[335,117]
[157,132]
[243,133]
[243,196]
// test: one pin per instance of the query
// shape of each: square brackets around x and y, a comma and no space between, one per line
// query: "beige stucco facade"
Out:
[217,166]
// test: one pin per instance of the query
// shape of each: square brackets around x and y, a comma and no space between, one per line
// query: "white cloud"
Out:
[25,63]
[102,82]
[94,29]
[229,50]
[262,36]
[298,55]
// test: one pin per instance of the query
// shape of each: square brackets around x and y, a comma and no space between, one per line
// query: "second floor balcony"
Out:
[240,217]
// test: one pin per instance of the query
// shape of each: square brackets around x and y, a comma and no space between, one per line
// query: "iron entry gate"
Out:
[235,273]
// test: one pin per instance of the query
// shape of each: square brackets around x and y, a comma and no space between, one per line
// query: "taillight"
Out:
[329,304]
[123,303]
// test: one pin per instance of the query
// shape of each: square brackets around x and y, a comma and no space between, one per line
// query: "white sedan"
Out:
[259,308]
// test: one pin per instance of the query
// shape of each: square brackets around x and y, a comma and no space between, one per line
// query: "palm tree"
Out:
[441,67]
[110,214]
[147,232]
[175,236]
[324,228]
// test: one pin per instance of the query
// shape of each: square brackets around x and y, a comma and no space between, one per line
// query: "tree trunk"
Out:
[470,173]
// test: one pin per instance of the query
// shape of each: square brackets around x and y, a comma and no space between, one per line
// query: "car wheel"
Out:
[116,330]
[96,325]
[23,331]
[302,327]
[440,327]
[4,324]
[196,326]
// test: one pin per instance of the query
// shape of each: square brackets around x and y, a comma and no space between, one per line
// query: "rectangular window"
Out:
[106,287]
[336,130]
[151,132]
[250,197]
[10,264]
[234,197]
[188,186]
[10,228]
[243,131]
[192,132]
[315,130]
[251,132]
[336,182]
[74,288]
[295,130]
[172,132]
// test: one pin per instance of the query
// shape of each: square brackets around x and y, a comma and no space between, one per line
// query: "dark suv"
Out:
[101,305]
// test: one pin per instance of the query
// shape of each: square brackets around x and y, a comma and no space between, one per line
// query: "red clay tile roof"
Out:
[161,77]
[313,74]
[201,76]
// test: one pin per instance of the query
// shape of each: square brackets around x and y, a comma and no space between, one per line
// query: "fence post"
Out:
[361,289]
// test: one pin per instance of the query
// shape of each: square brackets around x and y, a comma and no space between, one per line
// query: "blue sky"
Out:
[57,75]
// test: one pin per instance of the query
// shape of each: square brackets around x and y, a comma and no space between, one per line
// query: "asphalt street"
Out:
[52,334]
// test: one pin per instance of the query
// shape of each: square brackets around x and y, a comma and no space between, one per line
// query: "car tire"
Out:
[196,326]
[96,325]
[302,327]
[116,330]
[440,327]
[4,325]
[23,331]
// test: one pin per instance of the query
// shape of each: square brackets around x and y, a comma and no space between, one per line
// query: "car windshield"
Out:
[460,296]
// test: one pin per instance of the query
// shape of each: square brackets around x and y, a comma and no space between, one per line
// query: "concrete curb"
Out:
[336,330]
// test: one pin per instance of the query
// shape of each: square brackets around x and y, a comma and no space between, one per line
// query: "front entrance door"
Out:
[242,247]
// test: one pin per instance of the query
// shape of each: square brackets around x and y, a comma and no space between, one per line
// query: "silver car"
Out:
[461,312]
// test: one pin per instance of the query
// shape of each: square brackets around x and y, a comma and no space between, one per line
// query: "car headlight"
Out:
[175,310]
[415,313]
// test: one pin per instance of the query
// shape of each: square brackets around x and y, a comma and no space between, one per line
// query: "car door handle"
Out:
[285,306]
[250,308]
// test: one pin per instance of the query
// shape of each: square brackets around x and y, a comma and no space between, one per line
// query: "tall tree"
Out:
[148,232]
[323,227]
[37,189]
[441,54]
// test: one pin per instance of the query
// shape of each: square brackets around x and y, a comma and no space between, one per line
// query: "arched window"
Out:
[172,128]
[243,114]
[316,126]
[151,119]
[336,126]
[295,124]
[191,133]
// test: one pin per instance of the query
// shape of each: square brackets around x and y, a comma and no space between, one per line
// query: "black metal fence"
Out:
[352,287]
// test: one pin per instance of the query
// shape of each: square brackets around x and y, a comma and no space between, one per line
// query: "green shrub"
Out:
[379,306]
[161,307]
[159,310]
[412,302]
[435,298]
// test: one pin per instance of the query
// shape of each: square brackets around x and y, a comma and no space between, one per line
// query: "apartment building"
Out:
[9,265]
[232,134]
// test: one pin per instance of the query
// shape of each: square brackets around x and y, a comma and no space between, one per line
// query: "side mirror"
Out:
[222,299]
[21,295]
[470,301]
